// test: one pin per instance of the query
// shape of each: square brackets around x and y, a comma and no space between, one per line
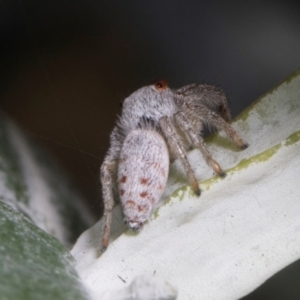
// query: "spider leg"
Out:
[175,144]
[212,118]
[197,141]
[107,176]
[211,96]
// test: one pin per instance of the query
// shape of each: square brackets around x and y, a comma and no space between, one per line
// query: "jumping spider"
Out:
[158,124]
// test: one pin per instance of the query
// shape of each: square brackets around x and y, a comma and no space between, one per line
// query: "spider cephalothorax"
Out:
[158,124]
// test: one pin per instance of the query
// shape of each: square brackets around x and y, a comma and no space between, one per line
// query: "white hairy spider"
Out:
[158,124]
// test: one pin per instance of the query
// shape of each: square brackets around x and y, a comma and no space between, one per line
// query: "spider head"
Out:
[160,85]
[152,101]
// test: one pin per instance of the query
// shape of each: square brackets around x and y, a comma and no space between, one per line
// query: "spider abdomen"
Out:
[142,175]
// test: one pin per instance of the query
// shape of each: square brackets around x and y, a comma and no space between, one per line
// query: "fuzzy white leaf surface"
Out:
[242,230]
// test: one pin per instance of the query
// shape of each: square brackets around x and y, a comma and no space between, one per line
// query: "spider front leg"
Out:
[174,143]
[201,113]
[214,119]
[107,176]
[197,141]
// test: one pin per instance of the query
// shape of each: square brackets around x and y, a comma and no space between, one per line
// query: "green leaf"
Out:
[36,203]
[33,265]
[31,183]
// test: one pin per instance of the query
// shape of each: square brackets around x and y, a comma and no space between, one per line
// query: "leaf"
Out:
[31,183]
[34,265]
[242,230]
[35,201]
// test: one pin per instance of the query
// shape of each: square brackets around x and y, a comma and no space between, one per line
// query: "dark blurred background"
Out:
[66,65]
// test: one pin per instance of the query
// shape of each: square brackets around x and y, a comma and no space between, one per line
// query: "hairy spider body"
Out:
[158,124]
[142,175]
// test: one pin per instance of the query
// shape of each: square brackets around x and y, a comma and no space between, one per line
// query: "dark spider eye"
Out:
[160,85]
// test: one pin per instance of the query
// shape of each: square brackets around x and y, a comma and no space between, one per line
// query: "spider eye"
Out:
[160,85]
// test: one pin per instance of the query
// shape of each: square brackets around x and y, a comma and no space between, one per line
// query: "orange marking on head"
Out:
[144,180]
[160,85]
[123,179]
[143,194]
